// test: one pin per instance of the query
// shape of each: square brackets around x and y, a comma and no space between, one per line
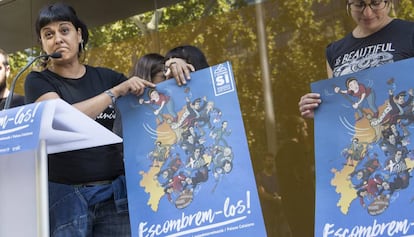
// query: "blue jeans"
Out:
[78,211]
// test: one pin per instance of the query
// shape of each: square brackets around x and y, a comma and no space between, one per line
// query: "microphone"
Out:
[13,84]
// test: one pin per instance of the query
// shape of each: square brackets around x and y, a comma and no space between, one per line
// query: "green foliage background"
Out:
[297,32]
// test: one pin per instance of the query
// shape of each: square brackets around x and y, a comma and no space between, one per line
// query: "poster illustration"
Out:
[187,161]
[364,151]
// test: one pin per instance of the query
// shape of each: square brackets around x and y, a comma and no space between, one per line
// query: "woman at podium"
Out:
[87,193]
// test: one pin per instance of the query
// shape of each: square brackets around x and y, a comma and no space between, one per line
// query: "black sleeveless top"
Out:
[392,43]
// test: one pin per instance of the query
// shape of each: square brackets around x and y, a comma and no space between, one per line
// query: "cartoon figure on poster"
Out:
[371,162]
[192,157]
[197,139]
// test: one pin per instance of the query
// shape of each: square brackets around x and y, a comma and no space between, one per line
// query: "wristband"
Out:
[112,96]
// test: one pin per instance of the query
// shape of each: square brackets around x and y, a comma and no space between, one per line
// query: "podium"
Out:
[27,135]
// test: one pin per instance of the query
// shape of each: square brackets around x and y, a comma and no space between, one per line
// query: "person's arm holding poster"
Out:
[371,20]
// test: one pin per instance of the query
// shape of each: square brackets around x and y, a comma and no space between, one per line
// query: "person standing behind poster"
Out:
[377,39]
[87,191]
[17,99]
[296,176]
[156,68]
[182,60]
[271,201]
[149,67]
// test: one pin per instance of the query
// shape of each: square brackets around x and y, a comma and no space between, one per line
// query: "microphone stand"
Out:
[13,84]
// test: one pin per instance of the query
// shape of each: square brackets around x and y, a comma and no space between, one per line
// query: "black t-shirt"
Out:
[85,165]
[17,100]
[392,43]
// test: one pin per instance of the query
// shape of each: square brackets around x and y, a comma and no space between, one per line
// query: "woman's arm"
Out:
[94,106]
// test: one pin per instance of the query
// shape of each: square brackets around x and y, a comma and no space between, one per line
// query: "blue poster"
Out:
[19,128]
[187,161]
[364,155]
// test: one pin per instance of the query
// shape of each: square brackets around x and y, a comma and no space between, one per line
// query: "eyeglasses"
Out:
[375,5]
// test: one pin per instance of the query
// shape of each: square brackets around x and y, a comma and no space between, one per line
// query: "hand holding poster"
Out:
[187,161]
[364,156]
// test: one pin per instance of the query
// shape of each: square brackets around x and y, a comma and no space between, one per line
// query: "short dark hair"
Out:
[349,80]
[197,100]
[61,12]
[190,54]
[401,94]
[150,92]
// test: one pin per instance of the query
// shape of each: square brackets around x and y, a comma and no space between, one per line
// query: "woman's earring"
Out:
[81,46]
